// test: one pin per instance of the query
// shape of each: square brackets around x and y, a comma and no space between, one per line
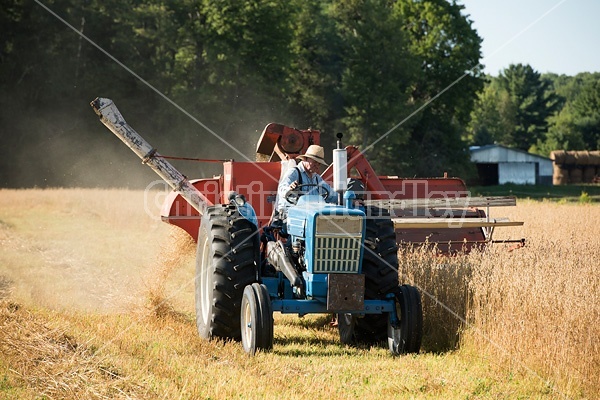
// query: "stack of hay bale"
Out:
[575,166]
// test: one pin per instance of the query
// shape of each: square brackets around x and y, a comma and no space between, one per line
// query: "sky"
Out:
[560,36]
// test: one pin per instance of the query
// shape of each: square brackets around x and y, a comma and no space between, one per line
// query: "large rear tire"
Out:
[227,259]
[405,337]
[380,266]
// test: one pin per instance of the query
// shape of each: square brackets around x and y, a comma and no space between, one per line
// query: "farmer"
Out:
[305,173]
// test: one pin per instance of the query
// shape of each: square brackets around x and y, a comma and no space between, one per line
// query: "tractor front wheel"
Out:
[405,335]
[256,319]
[346,324]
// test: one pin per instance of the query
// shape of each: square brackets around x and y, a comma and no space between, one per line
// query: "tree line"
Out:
[401,79]
[535,112]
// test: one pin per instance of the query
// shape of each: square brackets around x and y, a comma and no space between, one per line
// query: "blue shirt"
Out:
[291,176]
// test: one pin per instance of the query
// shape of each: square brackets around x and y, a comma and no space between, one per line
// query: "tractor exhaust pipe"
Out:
[340,170]
[111,117]
[277,258]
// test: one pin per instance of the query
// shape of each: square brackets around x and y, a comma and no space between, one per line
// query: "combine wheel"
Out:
[405,337]
[380,266]
[256,319]
[226,261]
[346,323]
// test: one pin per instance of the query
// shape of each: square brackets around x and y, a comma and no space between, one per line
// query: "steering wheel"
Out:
[292,196]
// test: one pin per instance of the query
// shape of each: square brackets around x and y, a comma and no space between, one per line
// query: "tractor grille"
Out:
[337,244]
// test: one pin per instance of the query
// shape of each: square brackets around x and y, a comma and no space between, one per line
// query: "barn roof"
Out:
[494,153]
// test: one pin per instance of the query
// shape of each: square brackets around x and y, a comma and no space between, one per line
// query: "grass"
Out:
[92,356]
[96,301]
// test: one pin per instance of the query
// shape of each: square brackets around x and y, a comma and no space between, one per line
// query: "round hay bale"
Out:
[558,156]
[589,172]
[594,158]
[582,157]
[570,157]
[575,175]
[560,176]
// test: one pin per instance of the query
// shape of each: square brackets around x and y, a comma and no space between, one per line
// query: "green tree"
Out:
[372,68]
[375,82]
[576,125]
[587,113]
[562,134]
[492,119]
[248,50]
[447,50]
[316,68]
[533,103]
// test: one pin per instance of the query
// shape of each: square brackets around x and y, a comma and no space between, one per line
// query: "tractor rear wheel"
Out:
[380,266]
[256,319]
[226,261]
[406,336]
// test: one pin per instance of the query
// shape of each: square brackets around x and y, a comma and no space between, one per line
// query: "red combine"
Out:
[437,212]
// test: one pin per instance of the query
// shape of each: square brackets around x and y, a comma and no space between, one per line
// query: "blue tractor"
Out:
[339,259]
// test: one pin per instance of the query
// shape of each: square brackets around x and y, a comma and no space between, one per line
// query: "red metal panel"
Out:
[423,188]
[281,142]
[177,211]
[257,181]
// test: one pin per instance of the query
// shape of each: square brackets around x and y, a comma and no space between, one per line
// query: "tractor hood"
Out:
[303,215]
[333,234]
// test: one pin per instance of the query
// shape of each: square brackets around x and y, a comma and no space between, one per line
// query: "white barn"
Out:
[497,165]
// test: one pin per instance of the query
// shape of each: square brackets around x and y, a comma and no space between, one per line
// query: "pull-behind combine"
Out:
[334,258]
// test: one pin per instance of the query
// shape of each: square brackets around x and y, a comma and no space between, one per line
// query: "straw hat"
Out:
[316,153]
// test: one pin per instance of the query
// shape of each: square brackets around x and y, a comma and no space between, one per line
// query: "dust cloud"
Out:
[91,250]
[61,150]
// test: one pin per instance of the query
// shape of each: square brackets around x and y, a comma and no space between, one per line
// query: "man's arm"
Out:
[290,177]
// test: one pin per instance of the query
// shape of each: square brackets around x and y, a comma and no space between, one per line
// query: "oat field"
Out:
[96,301]
[536,308]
